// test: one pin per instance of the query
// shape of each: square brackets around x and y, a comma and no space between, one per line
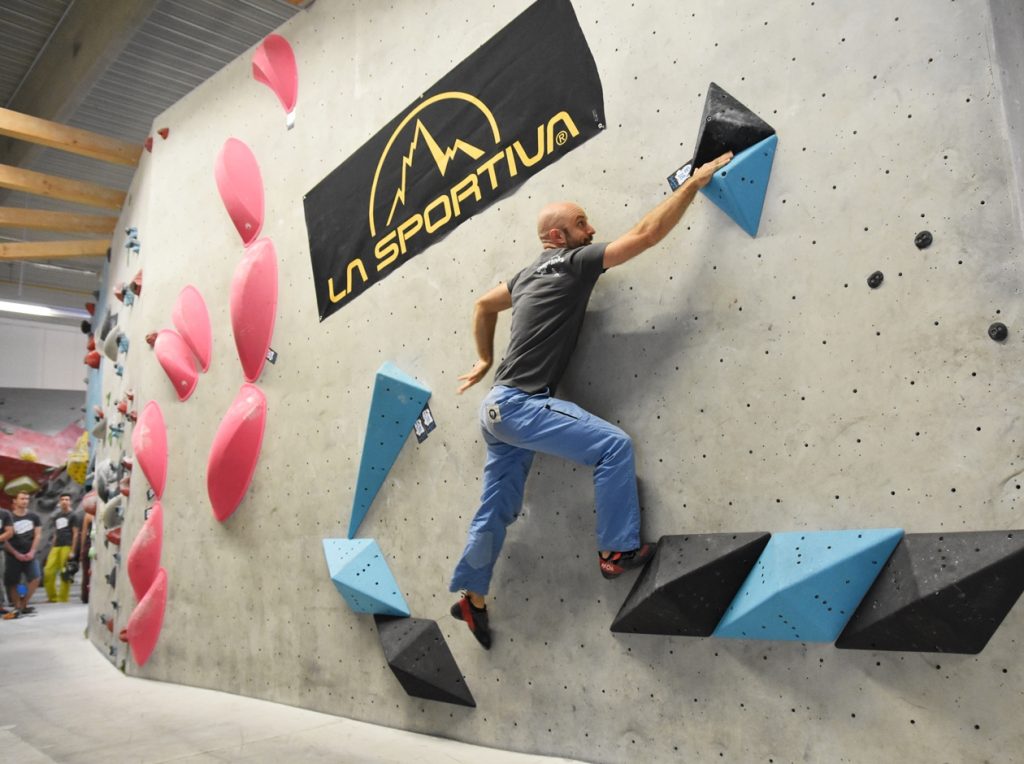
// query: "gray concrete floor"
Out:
[62,701]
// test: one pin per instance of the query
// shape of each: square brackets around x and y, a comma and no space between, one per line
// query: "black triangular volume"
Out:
[727,125]
[940,593]
[418,656]
[687,587]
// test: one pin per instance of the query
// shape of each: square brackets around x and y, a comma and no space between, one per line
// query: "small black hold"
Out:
[86,327]
[923,240]
[875,279]
[998,332]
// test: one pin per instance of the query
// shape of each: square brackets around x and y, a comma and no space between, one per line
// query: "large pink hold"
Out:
[147,620]
[235,451]
[192,320]
[149,442]
[254,306]
[241,188]
[273,64]
[144,556]
[180,366]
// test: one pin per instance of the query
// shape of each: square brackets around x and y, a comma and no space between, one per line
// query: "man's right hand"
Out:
[480,369]
[703,174]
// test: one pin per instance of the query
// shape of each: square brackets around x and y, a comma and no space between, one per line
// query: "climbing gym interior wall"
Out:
[769,389]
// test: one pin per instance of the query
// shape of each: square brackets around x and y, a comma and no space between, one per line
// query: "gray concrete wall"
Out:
[765,385]
[1008,38]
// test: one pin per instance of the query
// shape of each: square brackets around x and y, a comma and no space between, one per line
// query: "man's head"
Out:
[21,501]
[64,502]
[564,224]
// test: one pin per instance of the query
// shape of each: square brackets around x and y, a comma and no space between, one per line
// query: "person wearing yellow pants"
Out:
[65,541]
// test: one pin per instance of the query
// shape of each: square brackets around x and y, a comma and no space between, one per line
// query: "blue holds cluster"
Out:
[806,586]
[739,189]
[862,589]
[414,648]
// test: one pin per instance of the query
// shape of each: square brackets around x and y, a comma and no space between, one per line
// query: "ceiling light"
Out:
[42,311]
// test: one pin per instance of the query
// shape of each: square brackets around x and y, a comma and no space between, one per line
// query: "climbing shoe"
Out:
[475,619]
[10,615]
[618,563]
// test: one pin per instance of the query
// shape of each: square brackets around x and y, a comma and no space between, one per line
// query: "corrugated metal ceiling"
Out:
[25,27]
[178,46]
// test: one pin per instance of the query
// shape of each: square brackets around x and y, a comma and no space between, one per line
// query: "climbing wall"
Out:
[769,389]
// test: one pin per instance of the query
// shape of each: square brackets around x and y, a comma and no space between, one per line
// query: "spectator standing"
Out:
[64,545]
[21,559]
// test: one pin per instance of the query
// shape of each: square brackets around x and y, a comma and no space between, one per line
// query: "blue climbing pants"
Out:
[517,424]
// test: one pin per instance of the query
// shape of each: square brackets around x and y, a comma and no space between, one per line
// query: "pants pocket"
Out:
[556,410]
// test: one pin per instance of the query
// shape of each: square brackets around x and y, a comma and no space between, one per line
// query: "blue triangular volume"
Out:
[806,586]
[361,575]
[740,187]
[397,401]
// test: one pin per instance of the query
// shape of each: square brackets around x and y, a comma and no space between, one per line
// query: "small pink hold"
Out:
[235,451]
[192,320]
[240,185]
[178,363]
[146,621]
[254,306]
[273,64]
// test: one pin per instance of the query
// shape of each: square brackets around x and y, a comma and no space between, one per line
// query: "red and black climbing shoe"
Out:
[475,618]
[618,563]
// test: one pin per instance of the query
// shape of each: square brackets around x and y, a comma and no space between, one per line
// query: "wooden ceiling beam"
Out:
[46,220]
[48,250]
[24,127]
[54,187]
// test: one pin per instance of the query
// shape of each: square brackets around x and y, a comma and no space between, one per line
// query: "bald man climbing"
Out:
[520,416]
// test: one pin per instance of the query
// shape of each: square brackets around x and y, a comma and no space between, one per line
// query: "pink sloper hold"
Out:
[146,621]
[149,442]
[273,64]
[192,320]
[144,556]
[241,188]
[235,451]
[178,362]
[254,306]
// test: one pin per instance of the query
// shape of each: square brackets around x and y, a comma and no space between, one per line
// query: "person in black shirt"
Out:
[21,559]
[65,543]
[521,416]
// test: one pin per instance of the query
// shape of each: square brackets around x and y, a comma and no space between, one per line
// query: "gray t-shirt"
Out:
[549,302]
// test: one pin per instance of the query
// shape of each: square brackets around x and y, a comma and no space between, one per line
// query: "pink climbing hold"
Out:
[176,358]
[149,442]
[273,64]
[146,621]
[192,320]
[241,188]
[235,451]
[254,306]
[144,556]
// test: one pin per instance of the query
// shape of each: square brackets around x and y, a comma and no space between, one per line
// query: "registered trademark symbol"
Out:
[562,137]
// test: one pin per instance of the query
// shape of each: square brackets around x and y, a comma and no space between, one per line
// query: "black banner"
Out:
[525,98]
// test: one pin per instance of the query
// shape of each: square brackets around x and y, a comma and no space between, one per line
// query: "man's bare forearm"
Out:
[484,323]
[656,224]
